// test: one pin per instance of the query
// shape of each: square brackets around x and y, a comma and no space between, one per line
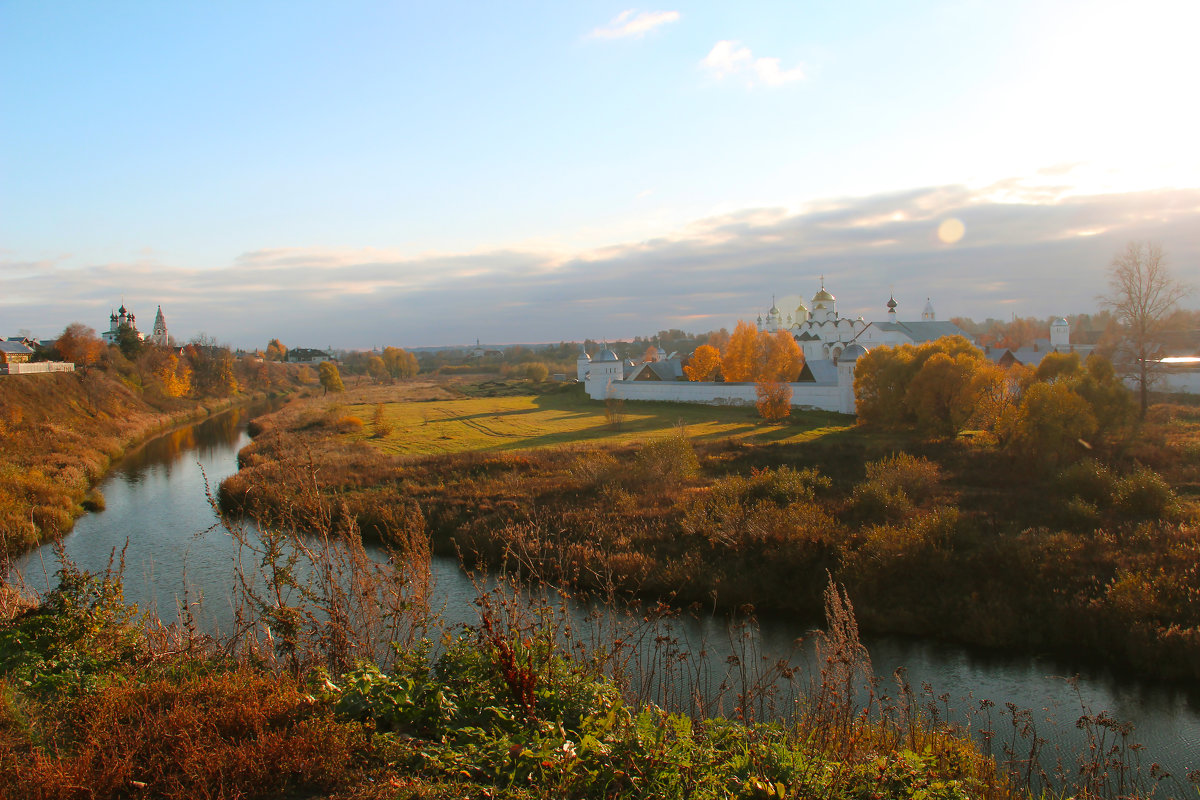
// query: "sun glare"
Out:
[951,230]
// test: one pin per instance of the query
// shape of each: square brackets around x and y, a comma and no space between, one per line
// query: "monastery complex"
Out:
[830,342]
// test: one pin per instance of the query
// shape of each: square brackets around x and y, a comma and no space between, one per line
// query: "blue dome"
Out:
[852,353]
[607,355]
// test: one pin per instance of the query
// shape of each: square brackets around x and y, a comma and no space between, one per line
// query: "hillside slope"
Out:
[59,433]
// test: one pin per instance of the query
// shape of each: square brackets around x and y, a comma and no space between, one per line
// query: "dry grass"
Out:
[238,734]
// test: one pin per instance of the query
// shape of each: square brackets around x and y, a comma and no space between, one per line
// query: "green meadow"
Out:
[439,423]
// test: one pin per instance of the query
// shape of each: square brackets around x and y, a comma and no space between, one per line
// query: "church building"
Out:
[122,318]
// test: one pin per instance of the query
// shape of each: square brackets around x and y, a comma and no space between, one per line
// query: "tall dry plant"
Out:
[311,595]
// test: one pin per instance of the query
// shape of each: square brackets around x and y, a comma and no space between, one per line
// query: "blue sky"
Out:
[369,173]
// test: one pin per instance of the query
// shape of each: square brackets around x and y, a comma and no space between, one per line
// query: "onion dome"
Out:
[852,353]
[891,303]
[607,355]
[823,296]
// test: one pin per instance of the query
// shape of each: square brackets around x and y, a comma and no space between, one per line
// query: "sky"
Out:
[360,174]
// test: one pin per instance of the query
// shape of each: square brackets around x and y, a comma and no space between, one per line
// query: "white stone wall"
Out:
[37,367]
[1187,381]
[826,397]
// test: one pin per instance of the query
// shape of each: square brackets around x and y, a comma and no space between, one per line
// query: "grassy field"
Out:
[430,419]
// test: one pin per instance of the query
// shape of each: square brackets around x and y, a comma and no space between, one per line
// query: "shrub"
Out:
[380,425]
[874,503]
[915,476]
[668,461]
[774,402]
[94,501]
[1144,494]
[537,371]
[1079,513]
[1090,481]
[349,424]
[78,634]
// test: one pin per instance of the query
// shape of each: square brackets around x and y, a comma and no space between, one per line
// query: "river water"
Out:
[158,512]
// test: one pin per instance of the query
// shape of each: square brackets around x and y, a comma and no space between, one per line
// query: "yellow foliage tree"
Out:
[330,377]
[781,357]
[1049,426]
[400,363]
[740,360]
[175,376]
[703,364]
[774,400]
[942,394]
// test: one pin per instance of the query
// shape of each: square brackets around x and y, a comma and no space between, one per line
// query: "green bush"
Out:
[894,486]
[536,371]
[1144,494]
[75,638]
[916,477]
[1090,481]
[668,461]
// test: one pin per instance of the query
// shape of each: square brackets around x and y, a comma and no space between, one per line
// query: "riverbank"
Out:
[516,706]
[217,721]
[60,433]
[947,540]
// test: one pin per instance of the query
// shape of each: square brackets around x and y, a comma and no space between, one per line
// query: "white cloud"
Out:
[1031,256]
[631,23]
[729,57]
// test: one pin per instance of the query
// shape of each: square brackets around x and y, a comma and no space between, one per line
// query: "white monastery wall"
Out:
[804,395]
[1179,381]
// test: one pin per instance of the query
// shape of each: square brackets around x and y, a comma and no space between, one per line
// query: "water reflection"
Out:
[156,501]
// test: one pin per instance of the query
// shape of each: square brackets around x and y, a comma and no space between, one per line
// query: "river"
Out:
[158,512]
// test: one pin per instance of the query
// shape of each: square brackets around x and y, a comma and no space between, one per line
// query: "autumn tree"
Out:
[377,369]
[381,426]
[212,367]
[897,386]
[276,351]
[79,344]
[330,378]
[703,364]
[400,363]
[1142,294]
[996,391]
[740,358]
[941,395]
[175,376]
[718,339]
[1111,403]
[774,401]
[1050,425]
[780,357]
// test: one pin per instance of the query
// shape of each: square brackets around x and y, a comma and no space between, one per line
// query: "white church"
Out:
[122,318]
[830,342]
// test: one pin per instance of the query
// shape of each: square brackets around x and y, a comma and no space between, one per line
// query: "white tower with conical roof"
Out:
[159,335]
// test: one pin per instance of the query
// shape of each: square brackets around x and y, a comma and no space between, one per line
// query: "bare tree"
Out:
[1142,293]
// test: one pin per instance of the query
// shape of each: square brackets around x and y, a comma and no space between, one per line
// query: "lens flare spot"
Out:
[951,230]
